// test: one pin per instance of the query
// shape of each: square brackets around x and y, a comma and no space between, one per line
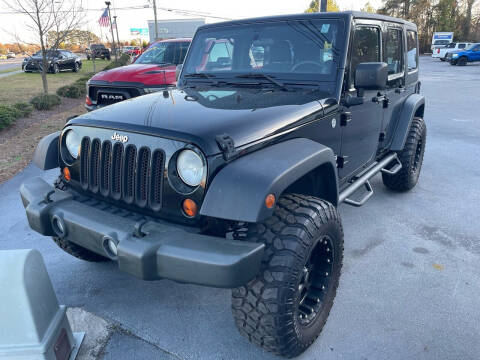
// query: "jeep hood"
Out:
[198,117]
[147,74]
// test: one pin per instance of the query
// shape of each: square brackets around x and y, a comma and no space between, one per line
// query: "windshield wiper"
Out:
[202,75]
[263,76]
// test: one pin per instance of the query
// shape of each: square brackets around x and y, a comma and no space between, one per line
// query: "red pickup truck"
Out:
[154,70]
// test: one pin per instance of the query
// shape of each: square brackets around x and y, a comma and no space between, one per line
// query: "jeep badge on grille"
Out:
[118,137]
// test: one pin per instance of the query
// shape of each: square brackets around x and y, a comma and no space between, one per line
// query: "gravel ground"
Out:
[410,283]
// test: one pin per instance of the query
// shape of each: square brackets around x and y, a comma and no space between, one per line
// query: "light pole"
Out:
[108,3]
[116,29]
[155,17]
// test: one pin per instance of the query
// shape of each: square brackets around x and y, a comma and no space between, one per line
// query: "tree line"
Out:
[460,16]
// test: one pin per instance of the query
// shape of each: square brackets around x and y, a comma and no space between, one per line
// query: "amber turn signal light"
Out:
[189,207]
[270,201]
[66,174]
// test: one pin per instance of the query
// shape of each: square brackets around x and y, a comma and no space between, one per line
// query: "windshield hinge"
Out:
[227,146]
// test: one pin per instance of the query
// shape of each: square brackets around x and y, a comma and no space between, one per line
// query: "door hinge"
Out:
[382,136]
[342,161]
[345,118]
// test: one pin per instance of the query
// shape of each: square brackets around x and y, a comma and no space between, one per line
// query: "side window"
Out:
[366,46]
[393,54]
[461,46]
[412,53]
[182,51]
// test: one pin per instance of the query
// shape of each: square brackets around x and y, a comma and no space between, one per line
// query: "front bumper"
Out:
[146,249]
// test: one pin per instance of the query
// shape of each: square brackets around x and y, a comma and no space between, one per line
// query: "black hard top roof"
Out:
[341,15]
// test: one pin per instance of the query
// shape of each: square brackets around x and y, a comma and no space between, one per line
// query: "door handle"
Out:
[381,98]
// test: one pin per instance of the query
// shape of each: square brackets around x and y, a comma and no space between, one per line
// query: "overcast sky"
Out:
[11,23]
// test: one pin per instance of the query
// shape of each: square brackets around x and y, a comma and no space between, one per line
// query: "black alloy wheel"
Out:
[462,61]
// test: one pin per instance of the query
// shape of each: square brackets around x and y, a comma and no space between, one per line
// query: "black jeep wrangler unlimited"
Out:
[98,51]
[234,178]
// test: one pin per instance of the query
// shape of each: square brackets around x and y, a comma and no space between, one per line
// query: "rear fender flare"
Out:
[413,106]
[239,189]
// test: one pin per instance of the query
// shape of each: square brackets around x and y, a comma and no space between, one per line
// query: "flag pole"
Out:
[116,30]
[111,29]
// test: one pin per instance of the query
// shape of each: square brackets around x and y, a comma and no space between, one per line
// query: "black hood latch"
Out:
[227,146]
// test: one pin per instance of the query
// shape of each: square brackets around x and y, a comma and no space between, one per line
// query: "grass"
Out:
[24,86]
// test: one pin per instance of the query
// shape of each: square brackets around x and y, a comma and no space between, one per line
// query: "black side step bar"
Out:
[363,180]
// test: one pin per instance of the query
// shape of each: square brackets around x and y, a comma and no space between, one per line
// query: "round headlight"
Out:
[72,143]
[190,167]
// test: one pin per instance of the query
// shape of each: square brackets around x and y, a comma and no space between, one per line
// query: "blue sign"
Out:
[443,37]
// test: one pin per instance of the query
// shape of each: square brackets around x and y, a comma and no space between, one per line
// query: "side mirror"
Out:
[371,76]
[178,70]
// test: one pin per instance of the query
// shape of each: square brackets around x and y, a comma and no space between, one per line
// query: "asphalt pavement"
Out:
[410,287]
[11,64]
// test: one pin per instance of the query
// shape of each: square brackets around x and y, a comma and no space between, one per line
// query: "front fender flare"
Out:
[46,153]
[409,109]
[238,191]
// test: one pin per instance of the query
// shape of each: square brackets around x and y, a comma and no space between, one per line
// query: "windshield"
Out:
[472,46]
[171,53]
[441,42]
[298,51]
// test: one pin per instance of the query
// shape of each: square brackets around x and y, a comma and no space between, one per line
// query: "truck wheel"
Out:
[462,61]
[411,158]
[69,247]
[284,308]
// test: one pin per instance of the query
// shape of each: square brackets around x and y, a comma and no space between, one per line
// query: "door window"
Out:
[412,53]
[462,46]
[393,54]
[366,46]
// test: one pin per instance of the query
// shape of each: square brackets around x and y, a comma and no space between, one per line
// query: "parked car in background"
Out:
[462,57]
[98,51]
[3,57]
[132,50]
[152,71]
[11,55]
[58,60]
[441,39]
[441,52]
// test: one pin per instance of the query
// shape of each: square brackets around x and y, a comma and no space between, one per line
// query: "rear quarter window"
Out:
[412,51]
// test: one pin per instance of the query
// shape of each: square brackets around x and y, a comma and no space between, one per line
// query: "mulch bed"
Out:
[18,142]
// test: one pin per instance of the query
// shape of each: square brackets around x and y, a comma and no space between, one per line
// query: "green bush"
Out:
[45,102]
[24,109]
[72,91]
[9,113]
[122,61]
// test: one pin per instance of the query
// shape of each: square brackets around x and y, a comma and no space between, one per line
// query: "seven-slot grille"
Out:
[123,172]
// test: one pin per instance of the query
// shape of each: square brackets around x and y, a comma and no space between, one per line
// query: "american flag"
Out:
[104,19]
[114,24]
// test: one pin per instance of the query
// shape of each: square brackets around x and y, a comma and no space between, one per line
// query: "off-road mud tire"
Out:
[69,247]
[267,310]
[411,158]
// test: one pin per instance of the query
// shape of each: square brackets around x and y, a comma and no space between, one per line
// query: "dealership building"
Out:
[174,28]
